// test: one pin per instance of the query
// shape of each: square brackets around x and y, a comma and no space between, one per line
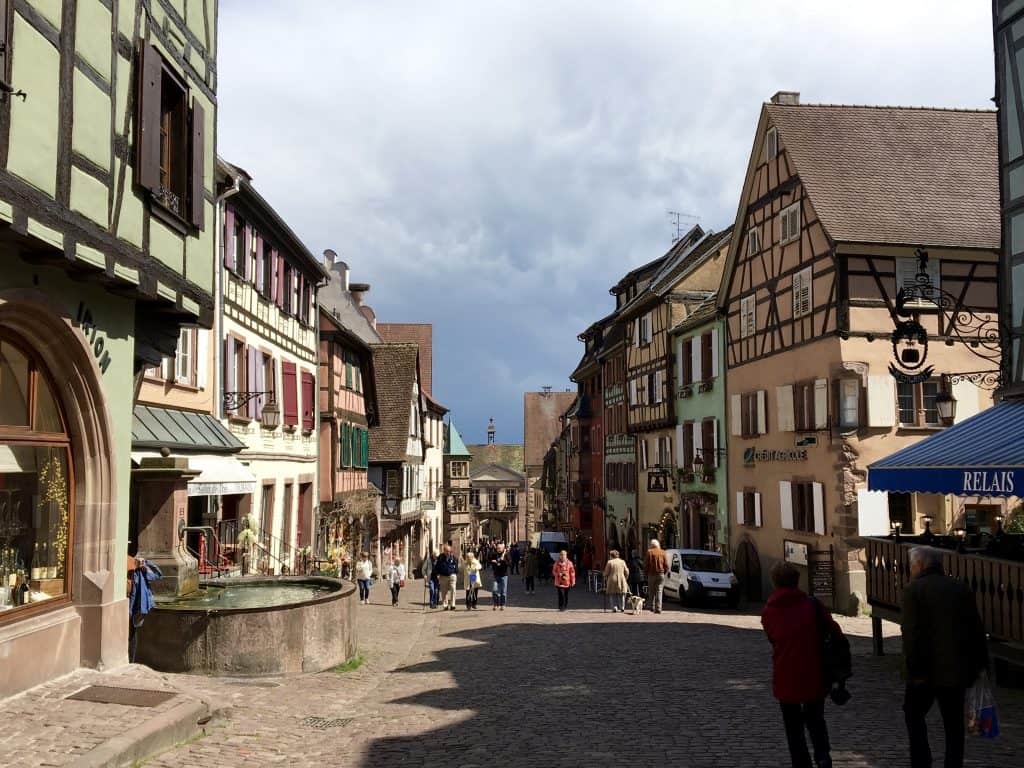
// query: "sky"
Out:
[494,167]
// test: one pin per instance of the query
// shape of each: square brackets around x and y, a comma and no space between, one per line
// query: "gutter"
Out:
[218,288]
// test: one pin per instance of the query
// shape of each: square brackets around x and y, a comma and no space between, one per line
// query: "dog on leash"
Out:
[636,604]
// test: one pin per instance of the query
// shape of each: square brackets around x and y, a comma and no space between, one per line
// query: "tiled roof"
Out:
[176,430]
[541,413]
[677,267]
[421,334]
[699,315]
[505,454]
[897,175]
[394,367]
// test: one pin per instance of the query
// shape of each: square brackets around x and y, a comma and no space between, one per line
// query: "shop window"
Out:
[35,492]
[170,146]
[901,510]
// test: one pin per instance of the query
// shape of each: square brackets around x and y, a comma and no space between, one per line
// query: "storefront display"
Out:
[35,509]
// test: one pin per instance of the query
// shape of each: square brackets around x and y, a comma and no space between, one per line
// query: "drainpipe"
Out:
[218,294]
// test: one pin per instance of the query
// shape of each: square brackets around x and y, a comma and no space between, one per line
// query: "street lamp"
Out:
[896,526]
[945,404]
[270,416]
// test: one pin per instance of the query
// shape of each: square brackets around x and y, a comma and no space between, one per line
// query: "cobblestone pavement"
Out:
[534,686]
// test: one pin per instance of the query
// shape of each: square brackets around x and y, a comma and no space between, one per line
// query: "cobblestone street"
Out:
[535,686]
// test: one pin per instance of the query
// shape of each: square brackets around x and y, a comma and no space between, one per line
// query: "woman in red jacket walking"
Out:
[790,619]
[563,573]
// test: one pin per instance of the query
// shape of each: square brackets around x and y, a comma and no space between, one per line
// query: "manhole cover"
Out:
[129,697]
[323,723]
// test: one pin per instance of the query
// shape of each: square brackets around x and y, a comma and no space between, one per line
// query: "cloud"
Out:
[494,167]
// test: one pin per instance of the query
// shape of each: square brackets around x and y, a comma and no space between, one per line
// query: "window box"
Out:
[708,476]
[687,477]
[686,391]
[706,386]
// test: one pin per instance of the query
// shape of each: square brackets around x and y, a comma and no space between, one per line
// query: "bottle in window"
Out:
[36,562]
[23,591]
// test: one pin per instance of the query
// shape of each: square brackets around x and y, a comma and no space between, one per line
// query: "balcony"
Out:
[998,584]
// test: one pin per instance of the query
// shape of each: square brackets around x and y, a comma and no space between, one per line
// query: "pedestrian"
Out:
[944,651]
[563,573]
[396,579]
[364,577]
[515,555]
[446,568]
[471,580]
[530,568]
[616,581]
[500,564]
[655,568]
[792,621]
[427,571]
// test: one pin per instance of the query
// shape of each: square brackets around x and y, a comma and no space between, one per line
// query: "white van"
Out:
[697,575]
[551,542]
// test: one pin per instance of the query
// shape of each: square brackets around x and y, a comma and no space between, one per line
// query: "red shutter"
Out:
[147,148]
[229,238]
[291,399]
[308,405]
[272,288]
[198,164]
[259,264]
[252,356]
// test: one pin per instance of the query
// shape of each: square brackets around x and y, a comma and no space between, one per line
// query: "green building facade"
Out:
[107,246]
[699,349]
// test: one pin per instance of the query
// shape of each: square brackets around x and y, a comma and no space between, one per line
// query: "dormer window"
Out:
[771,144]
[790,222]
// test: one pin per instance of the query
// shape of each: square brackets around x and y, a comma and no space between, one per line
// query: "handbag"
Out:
[980,708]
[836,659]
[472,577]
[401,583]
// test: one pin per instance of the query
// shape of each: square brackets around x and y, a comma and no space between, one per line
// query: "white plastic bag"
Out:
[980,709]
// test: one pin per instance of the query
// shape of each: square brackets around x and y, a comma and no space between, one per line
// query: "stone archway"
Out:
[747,567]
[97,618]
[669,529]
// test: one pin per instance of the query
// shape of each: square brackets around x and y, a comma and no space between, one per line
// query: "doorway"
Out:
[748,570]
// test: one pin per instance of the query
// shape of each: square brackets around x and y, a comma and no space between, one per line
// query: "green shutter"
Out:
[348,371]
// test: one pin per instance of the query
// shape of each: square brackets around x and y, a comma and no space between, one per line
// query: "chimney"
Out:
[357,290]
[787,98]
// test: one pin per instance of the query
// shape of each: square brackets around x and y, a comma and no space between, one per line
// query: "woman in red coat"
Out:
[563,573]
[790,619]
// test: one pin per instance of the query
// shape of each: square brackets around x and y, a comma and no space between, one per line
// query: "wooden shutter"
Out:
[147,148]
[696,359]
[681,446]
[202,360]
[659,385]
[708,440]
[259,264]
[245,268]
[881,401]
[786,503]
[736,415]
[279,297]
[715,362]
[740,508]
[819,508]
[762,413]
[706,362]
[198,165]
[757,509]
[308,413]
[251,355]
[290,391]
[643,452]
[230,385]
[229,238]
[685,363]
[784,404]
[686,449]
[821,403]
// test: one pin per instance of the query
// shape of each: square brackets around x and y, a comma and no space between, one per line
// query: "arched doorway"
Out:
[669,530]
[747,568]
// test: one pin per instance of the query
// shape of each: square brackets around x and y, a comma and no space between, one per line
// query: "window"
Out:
[685,359]
[185,359]
[267,271]
[802,292]
[916,403]
[240,369]
[510,498]
[644,329]
[474,497]
[707,367]
[802,506]
[748,508]
[790,223]
[709,443]
[753,241]
[686,449]
[748,316]
[492,499]
[308,402]
[849,403]
[170,160]
[750,408]
[771,142]
[266,508]
[235,225]
[36,501]
[803,406]
[908,276]
[344,445]
[286,291]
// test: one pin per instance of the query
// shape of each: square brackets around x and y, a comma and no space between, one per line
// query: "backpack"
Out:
[836,659]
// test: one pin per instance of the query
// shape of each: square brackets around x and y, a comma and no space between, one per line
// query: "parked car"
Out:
[551,542]
[696,576]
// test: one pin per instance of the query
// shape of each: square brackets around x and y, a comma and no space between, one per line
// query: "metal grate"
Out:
[129,697]
[323,723]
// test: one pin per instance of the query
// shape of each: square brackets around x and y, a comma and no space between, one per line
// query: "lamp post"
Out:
[927,535]
[945,404]
[896,526]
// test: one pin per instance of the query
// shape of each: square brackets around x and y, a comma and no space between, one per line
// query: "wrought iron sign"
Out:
[979,333]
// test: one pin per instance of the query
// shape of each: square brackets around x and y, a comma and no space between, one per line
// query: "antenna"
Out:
[677,218]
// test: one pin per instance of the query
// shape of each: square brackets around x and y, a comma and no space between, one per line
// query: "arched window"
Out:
[35,487]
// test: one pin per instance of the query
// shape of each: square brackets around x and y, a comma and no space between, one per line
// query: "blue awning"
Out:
[981,456]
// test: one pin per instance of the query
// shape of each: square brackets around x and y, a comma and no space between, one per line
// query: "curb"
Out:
[177,724]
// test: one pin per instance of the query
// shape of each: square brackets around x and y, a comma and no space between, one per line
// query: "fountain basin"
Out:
[253,627]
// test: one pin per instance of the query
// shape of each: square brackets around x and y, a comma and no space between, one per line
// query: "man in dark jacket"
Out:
[446,568]
[791,621]
[944,650]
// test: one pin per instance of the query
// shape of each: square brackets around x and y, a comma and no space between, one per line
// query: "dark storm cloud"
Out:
[493,167]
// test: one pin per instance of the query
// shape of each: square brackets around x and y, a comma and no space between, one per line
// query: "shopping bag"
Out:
[472,577]
[401,583]
[980,706]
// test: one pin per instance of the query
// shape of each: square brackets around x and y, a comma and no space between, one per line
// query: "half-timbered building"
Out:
[662,297]
[107,121]
[619,450]
[836,203]
[586,503]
